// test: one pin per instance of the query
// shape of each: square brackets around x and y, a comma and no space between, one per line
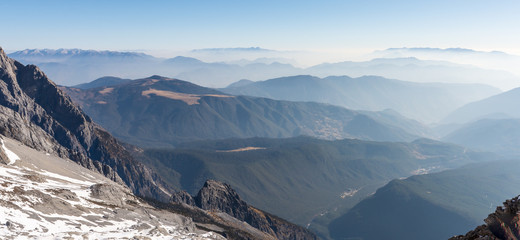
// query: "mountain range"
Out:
[74,66]
[159,111]
[61,172]
[426,102]
[45,194]
[416,70]
[490,60]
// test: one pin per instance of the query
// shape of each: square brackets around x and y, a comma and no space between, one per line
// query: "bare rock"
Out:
[504,223]
[218,196]
[183,197]
[3,156]
[34,111]
[111,194]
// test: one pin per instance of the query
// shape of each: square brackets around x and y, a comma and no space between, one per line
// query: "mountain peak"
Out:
[4,60]
[217,196]
[183,59]
[158,77]
[34,111]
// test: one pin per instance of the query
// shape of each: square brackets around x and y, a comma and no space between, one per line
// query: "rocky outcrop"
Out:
[3,155]
[504,223]
[220,197]
[46,197]
[34,111]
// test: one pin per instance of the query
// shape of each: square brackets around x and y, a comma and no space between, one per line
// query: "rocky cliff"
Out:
[220,197]
[504,223]
[35,112]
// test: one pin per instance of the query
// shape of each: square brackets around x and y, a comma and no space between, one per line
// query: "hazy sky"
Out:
[355,25]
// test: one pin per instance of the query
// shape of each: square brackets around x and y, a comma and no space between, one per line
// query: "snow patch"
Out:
[10,154]
[28,211]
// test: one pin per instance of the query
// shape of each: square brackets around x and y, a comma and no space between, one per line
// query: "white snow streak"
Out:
[10,154]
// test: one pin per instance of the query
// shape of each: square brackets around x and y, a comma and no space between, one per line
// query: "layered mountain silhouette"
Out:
[500,106]
[491,60]
[36,113]
[75,66]
[501,136]
[330,186]
[159,111]
[427,102]
[416,70]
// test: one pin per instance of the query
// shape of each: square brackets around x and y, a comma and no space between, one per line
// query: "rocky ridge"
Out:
[504,223]
[34,111]
[45,196]
[220,197]
[42,118]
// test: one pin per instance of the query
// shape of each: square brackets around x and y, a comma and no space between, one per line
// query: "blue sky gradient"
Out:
[284,25]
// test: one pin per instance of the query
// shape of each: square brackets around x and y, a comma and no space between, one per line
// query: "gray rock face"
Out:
[3,156]
[111,194]
[183,197]
[35,112]
[220,197]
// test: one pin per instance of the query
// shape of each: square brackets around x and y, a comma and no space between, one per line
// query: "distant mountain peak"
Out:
[237,49]
[158,77]
[64,52]
[457,50]
[183,59]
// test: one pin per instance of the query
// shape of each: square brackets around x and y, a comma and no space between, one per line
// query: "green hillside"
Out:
[162,112]
[432,206]
[300,178]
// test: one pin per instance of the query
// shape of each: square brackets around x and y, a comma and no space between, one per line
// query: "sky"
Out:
[328,26]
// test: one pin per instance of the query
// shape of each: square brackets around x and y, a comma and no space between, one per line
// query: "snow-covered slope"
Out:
[44,196]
